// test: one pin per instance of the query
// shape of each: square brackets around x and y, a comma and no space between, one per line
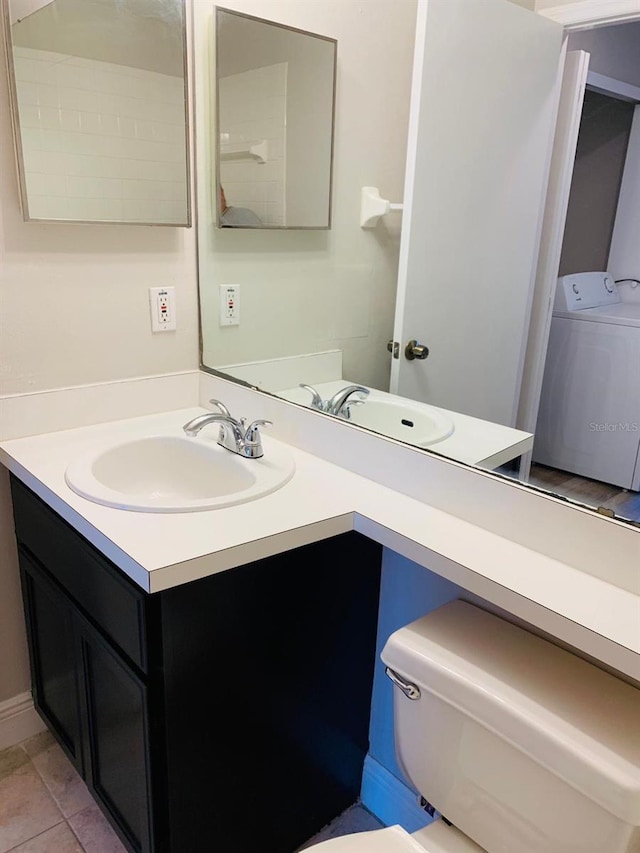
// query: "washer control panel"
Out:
[585,290]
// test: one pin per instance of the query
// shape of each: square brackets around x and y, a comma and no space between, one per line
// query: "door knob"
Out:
[415,350]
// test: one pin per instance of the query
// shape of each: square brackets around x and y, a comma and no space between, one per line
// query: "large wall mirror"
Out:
[275,105]
[443,358]
[99,105]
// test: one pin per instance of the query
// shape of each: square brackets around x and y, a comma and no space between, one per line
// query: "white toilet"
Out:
[521,745]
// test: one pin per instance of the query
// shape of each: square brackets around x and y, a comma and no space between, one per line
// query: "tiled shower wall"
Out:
[101,141]
[253,108]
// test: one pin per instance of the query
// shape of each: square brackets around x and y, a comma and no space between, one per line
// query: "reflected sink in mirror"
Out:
[447,433]
[418,426]
[176,474]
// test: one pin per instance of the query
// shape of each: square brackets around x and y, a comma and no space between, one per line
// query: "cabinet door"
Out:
[51,636]
[115,709]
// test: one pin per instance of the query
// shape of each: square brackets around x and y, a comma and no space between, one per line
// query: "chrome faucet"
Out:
[341,401]
[234,435]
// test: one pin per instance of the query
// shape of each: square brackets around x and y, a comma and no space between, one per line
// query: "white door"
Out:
[484,102]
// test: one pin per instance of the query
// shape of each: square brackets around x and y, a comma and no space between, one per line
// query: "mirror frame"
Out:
[216,128]
[5,25]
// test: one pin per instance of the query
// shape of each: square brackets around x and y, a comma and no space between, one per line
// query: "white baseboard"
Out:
[18,720]
[390,799]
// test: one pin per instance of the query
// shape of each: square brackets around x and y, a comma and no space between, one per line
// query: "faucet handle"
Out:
[252,436]
[346,408]
[221,406]
[316,399]
[252,445]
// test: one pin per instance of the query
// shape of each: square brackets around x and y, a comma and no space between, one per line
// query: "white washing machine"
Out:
[589,419]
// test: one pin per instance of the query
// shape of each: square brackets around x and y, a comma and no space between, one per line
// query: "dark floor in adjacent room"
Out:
[591,492]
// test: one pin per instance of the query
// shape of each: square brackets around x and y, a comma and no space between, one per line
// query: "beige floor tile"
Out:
[26,807]
[60,839]
[94,832]
[11,759]
[62,780]
[38,743]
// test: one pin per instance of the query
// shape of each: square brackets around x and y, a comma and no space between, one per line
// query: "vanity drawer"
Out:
[112,602]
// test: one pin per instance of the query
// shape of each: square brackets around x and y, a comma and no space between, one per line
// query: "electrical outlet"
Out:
[162,303]
[229,304]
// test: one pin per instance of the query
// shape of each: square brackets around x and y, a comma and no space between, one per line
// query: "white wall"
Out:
[73,310]
[135,37]
[615,52]
[624,258]
[318,290]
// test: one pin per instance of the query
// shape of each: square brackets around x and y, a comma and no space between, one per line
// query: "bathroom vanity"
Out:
[229,713]
[225,658]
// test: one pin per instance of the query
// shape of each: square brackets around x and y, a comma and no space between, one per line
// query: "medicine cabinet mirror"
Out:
[99,107]
[275,89]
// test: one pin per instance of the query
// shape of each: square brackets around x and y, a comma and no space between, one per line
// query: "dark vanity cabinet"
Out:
[228,714]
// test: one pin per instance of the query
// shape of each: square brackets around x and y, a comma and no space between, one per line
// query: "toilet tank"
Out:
[523,746]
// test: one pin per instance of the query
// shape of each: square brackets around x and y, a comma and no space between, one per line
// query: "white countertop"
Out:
[162,550]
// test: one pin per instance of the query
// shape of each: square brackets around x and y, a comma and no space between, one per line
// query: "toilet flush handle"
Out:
[410,690]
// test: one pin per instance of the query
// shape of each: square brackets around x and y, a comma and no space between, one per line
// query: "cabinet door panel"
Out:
[116,713]
[114,604]
[52,653]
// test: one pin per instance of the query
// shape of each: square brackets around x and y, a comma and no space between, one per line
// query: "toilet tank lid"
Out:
[578,721]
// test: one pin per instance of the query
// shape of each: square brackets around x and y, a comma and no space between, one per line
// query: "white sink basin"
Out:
[176,474]
[421,426]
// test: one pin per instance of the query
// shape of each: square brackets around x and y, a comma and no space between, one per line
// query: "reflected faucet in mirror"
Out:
[339,404]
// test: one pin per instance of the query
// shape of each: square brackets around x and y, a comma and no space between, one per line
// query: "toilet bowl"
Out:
[521,745]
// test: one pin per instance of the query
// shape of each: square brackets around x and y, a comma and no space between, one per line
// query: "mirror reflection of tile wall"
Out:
[100,140]
[253,110]
[99,109]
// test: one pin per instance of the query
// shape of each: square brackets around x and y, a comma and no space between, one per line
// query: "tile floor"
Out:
[45,806]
